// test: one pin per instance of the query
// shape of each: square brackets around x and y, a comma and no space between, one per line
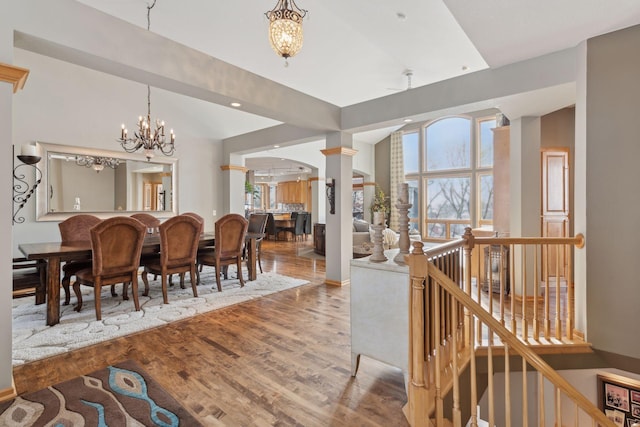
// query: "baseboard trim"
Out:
[578,334]
[8,393]
[337,283]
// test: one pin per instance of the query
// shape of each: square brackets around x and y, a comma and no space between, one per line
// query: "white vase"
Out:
[378,218]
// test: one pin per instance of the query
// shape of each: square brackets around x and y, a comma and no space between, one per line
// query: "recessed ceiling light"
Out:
[276,146]
[236,104]
[465,68]
[401,16]
[408,120]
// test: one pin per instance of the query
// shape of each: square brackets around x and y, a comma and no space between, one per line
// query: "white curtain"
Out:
[396,170]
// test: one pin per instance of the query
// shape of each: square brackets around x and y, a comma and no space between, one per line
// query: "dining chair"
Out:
[297,230]
[150,221]
[76,228]
[230,232]
[116,246]
[179,238]
[257,225]
[307,225]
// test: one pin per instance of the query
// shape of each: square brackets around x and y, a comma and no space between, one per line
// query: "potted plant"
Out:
[380,205]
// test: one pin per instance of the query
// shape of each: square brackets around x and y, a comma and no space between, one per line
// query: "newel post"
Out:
[417,404]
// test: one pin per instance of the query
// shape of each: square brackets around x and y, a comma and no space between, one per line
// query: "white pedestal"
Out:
[379,312]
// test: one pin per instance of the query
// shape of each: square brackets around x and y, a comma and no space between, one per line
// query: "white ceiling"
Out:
[358,50]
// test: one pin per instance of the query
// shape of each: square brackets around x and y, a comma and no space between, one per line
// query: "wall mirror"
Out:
[103,183]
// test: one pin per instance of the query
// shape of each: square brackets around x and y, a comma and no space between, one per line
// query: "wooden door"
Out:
[555,205]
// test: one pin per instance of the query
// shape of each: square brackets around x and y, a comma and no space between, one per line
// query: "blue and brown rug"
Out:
[118,395]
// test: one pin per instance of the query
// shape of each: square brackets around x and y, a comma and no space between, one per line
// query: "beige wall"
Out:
[612,195]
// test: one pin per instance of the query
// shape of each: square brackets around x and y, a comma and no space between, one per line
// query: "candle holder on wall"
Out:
[331,195]
[22,191]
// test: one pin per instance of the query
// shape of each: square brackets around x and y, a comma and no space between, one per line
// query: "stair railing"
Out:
[444,322]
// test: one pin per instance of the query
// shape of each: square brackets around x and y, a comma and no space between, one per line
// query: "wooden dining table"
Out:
[54,253]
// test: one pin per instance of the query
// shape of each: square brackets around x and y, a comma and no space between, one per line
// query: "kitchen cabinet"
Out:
[292,192]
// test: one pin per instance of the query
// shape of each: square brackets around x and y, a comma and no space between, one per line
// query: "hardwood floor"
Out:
[280,360]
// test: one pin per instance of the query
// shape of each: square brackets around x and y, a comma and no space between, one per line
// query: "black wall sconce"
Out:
[331,195]
[22,191]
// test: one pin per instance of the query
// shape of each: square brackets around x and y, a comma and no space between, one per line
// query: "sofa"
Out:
[361,232]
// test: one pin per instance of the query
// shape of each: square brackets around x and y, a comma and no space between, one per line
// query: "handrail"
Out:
[522,349]
[443,318]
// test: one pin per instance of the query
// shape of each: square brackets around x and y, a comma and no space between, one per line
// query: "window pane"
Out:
[448,198]
[272,197]
[410,152]
[486,197]
[486,143]
[448,144]
[457,230]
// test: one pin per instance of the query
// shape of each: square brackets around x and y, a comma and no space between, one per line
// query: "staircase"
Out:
[525,310]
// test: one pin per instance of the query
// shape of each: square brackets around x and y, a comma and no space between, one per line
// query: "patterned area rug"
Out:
[33,340]
[119,395]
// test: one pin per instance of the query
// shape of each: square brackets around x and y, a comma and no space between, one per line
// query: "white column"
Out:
[338,229]
[6,248]
[525,190]
[233,178]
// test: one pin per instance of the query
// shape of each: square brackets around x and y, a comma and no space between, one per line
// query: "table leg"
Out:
[53,291]
[251,260]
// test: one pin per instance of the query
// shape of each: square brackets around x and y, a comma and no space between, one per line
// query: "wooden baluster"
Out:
[523,254]
[570,295]
[541,407]
[479,296]
[457,415]
[525,330]
[576,414]
[474,381]
[503,280]
[525,400]
[437,355]
[547,287]
[467,314]
[536,292]
[558,407]
[558,322]
[492,417]
[514,324]
[507,387]
[490,292]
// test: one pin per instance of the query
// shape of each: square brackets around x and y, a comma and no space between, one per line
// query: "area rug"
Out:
[33,340]
[118,395]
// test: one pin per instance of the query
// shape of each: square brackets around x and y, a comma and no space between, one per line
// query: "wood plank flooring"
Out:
[281,360]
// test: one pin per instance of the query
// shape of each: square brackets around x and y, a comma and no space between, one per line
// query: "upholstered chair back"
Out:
[116,245]
[77,227]
[179,238]
[231,230]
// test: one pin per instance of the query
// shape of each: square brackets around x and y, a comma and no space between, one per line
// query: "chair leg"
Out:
[76,290]
[163,279]
[240,273]
[198,275]
[96,292]
[134,290]
[66,281]
[181,280]
[217,272]
[192,274]
[125,292]
[259,262]
[113,291]
[145,279]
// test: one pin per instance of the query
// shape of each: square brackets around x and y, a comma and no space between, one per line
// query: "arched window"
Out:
[448,164]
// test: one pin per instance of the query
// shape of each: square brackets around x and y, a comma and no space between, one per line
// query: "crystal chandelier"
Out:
[97,163]
[285,28]
[144,137]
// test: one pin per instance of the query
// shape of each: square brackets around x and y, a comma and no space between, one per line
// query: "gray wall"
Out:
[612,195]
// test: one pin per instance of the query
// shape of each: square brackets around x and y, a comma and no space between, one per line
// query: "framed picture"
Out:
[619,399]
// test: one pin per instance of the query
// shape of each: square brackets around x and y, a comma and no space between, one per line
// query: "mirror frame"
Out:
[42,199]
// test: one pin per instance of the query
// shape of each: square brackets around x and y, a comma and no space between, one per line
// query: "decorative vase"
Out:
[378,218]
